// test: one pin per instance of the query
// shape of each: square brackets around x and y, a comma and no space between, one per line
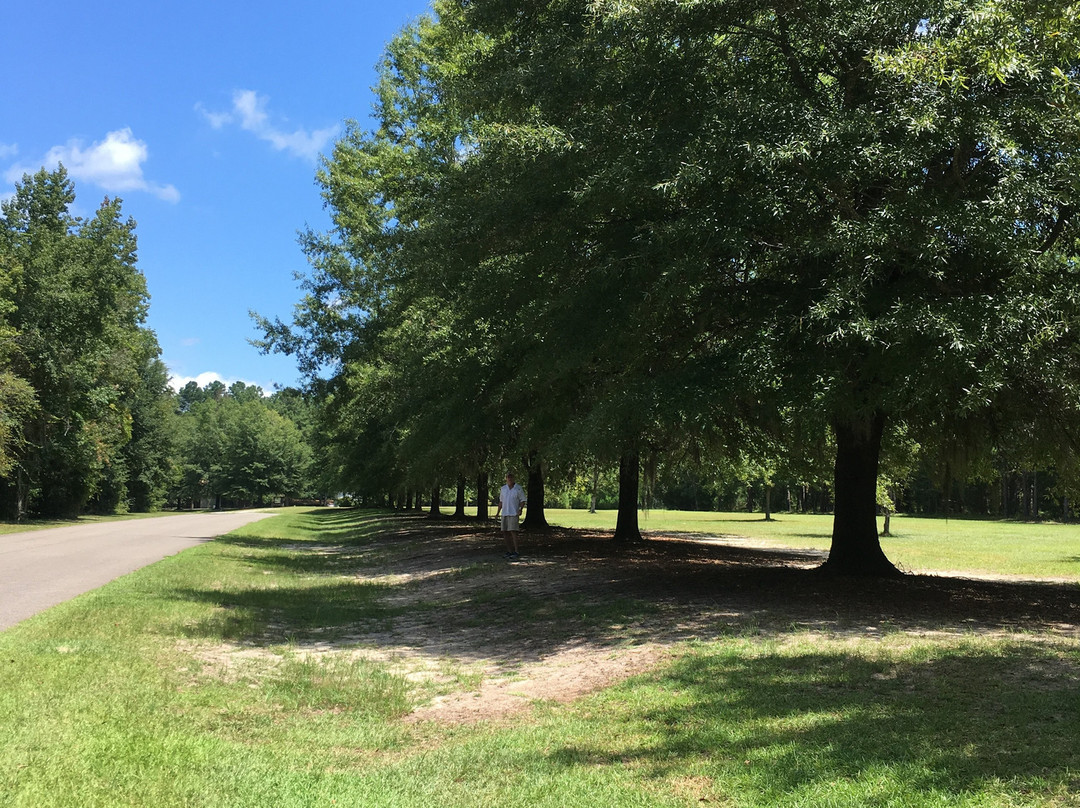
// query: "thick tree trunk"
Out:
[459,501]
[435,511]
[856,549]
[14,498]
[626,524]
[535,518]
[482,495]
[768,503]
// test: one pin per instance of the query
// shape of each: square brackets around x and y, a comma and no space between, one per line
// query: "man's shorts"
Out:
[509,523]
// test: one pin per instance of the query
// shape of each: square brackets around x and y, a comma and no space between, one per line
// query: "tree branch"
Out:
[1064,215]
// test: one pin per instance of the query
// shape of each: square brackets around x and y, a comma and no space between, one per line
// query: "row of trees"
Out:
[680,232]
[87,419]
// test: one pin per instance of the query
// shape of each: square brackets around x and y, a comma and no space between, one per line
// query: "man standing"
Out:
[511,501]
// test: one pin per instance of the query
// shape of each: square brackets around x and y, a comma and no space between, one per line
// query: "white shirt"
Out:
[511,500]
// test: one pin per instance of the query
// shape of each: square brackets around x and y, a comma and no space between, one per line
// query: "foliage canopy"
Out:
[591,227]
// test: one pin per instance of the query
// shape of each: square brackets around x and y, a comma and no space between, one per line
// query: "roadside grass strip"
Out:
[317,659]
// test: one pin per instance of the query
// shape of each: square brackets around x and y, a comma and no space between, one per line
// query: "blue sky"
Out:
[208,119]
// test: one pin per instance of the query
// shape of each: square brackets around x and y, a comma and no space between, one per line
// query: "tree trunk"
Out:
[856,549]
[482,495]
[768,503]
[535,518]
[459,501]
[626,524]
[595,487]
[946,490]
[435,511]
[14,498]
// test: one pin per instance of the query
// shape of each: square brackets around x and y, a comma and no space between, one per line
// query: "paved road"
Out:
[41,568]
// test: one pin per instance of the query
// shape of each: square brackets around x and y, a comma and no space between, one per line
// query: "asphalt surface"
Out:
[41,568]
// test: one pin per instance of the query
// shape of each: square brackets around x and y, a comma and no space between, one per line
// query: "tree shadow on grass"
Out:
[354,525]
[322,613]
[779,725]
[445,589]
[786,726]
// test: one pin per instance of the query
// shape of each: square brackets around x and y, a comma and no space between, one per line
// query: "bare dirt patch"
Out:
[560,677]
[489,638]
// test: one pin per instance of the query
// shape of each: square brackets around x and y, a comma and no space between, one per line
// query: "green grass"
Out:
[87,519]
[188,683]
[917,544]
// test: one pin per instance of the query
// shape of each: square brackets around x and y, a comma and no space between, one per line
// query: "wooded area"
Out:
[87,419]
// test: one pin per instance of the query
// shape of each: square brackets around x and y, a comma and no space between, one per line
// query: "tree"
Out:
[148,454]
[922,188]
[420,363]
[17,399]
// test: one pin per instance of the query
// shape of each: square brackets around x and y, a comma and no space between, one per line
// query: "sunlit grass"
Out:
[917,544]
[88,519]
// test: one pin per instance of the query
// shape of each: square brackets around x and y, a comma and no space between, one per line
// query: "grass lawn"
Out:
[351,658]
[1044,549]
[87,519]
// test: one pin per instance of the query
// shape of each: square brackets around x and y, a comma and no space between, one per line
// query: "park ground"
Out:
[387,659]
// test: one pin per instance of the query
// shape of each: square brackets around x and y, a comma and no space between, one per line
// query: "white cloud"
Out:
[114,164]
[203,379]
[250,114]
[216,119]
[8,150]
